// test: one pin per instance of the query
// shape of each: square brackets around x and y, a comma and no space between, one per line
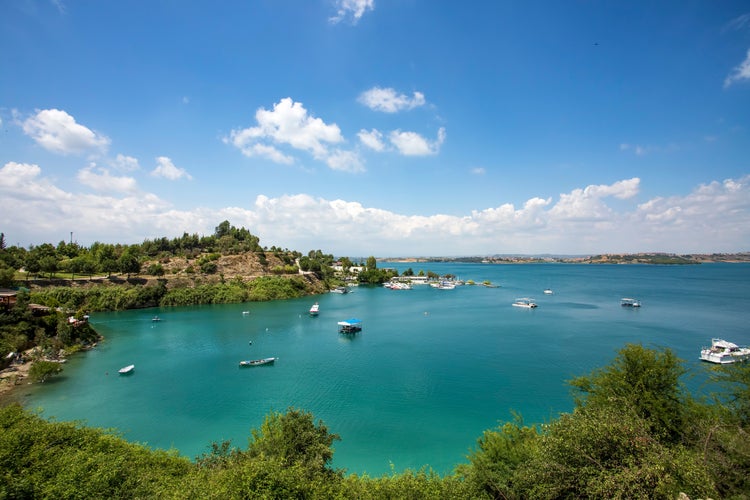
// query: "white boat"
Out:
[723,352]
[155,319]
[628,302]
[245,313]
[397,285]
[443,285]
[258,362]
[548,291]
[340,289]
[126,370]
[315,309]
[525,302]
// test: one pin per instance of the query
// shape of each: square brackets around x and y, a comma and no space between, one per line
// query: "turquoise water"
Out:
[431,370]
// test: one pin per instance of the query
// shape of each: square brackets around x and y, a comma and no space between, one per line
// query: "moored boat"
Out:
[548,291]
[352,325]
[628,302]
[723,352]
[126,370]
[258,362]
[525,302]
[315,309]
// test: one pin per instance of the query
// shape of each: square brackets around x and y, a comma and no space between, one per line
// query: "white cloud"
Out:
[165,168]
[638,150]
[373,139]
[714,217]
[351,9]
[346,161]
[588,203]
[413,144]
[739,73]
[57,131]
[389,101]
[125,163]
[101,180]
[290,125]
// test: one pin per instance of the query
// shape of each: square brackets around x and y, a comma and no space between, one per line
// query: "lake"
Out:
[430,371]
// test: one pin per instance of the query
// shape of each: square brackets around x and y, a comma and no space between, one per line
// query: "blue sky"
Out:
[379,127]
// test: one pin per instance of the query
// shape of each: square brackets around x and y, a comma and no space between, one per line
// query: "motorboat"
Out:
[353,325]
[548,291]
[340,289]
[443,285]
[525,302]
[724,352]
[628,302]
[155,319]
[126,370]
[258,362]
[245,313]
[315,309]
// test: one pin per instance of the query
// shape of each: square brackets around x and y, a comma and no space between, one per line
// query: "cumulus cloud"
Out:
[346,161]
[289,125]
[101,180]
[352,10]
[413,144]
[166,169]
[125,163]
[739,73]
[373,139]
[714,217]
[57,131]
[389,101]
[40,209]
[588,203]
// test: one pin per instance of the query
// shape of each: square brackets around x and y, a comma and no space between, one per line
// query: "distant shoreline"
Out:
[636,258]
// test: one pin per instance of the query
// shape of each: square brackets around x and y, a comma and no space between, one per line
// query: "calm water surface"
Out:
[431,370]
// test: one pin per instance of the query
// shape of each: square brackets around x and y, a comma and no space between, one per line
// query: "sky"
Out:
[379,127]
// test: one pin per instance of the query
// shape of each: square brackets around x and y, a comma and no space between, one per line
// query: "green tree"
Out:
[294,438]
[645,381]
[372,263]
[7,275]
[42,370]
[128,262]
[500,453]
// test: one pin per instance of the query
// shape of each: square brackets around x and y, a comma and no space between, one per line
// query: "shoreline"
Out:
[16,375]
[12,378]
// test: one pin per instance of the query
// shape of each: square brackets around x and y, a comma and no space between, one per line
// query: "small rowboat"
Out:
[258,362]
[126,370]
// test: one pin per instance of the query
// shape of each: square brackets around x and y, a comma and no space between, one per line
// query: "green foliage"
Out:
[101,298]
[609,452]
[155,269]
[294,438]
[643,380]
[500,453]
[40,459]
[42,370]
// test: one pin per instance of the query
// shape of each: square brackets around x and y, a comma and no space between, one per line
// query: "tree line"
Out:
[47,259]
[634,432]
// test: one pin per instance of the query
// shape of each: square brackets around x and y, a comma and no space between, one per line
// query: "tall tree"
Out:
[644,380]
